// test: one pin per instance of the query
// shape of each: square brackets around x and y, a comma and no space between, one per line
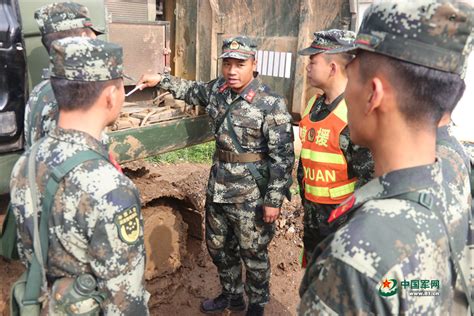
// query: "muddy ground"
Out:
[179,271]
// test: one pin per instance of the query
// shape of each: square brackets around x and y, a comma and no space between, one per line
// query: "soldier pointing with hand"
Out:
[250,175]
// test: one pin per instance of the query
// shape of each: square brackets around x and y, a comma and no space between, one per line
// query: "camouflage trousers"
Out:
[235,232]
[315,223]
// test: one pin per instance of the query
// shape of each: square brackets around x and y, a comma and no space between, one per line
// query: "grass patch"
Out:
[201,153]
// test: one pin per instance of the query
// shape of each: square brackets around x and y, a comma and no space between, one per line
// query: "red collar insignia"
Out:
[115,163]
[342,209]
[250,95]
[223,87]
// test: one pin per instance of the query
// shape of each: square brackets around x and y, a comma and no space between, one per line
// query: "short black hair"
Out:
[49,38]
[79,95]
[423,94]
[342,59]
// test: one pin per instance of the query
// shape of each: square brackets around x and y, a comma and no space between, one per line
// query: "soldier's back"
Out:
[87,195]
[41,113]
[388,238]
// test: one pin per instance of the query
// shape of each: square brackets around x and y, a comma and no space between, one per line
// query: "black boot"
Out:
[237,303]
[255,310]
[220,303]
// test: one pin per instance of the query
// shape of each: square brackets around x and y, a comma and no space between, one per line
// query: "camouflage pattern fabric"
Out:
[325,41]
[239,47]
[95,225]
[63,16]
[456,169]
[41,113]
[388,238]
[360,165]
[469,148]
[234,218]
[85,59]
[262,124]
[432,33]
[235,231]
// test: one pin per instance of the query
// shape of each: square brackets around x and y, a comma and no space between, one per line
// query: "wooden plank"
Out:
[185,40]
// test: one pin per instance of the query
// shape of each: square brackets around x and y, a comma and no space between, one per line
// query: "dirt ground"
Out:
[179,271]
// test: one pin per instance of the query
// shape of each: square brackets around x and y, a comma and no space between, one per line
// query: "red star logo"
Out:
[386,283]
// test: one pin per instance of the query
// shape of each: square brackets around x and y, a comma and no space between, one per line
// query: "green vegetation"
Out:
[201,153]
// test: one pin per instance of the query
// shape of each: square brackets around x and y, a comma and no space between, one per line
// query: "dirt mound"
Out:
[165,240]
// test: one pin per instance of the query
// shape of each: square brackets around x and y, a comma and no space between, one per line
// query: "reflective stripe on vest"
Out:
[326,178]
[335,193]
[319,156]
[310,104]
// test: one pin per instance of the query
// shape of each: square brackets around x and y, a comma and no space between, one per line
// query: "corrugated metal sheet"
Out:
[128,10]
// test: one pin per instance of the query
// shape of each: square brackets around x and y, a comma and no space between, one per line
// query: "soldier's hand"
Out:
[270,214]
[149,80]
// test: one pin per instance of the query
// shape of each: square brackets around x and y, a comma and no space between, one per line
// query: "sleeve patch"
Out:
[128,225]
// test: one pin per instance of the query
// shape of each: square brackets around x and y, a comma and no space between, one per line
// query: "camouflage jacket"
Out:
[262,123]
[41,113]
[359,159]
[469,148]
[386,239]
[85,226]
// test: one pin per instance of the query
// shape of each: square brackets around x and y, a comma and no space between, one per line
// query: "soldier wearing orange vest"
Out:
[330,166]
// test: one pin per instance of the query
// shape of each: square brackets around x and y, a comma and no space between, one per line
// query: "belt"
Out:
[228,156]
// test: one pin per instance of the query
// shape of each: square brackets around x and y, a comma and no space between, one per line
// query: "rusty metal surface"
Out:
[145,46]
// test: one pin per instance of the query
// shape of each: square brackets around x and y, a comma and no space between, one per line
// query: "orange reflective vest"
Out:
[326,179]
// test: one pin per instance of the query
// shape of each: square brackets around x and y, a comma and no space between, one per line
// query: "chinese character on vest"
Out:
[326,179]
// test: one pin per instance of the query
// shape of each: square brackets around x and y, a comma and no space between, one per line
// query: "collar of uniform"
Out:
[390,185]
[334,103]
[223,87]
[444,132]
[80,138]
[248,94]
[400,181]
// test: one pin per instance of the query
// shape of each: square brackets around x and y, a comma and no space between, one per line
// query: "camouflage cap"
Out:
[326,41]
[63,16]
[239,47]
[432,33]
[85,59]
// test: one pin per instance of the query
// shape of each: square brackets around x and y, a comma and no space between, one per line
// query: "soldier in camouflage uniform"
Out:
[253,135]
[326,71]
[95,224]
[397,252]
[55,21]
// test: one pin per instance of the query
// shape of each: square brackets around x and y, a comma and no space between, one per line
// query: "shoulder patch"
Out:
[128,225]
[342,209]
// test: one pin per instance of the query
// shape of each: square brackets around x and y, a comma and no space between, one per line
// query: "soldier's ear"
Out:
[375,95]
[111,96]
[254,64]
